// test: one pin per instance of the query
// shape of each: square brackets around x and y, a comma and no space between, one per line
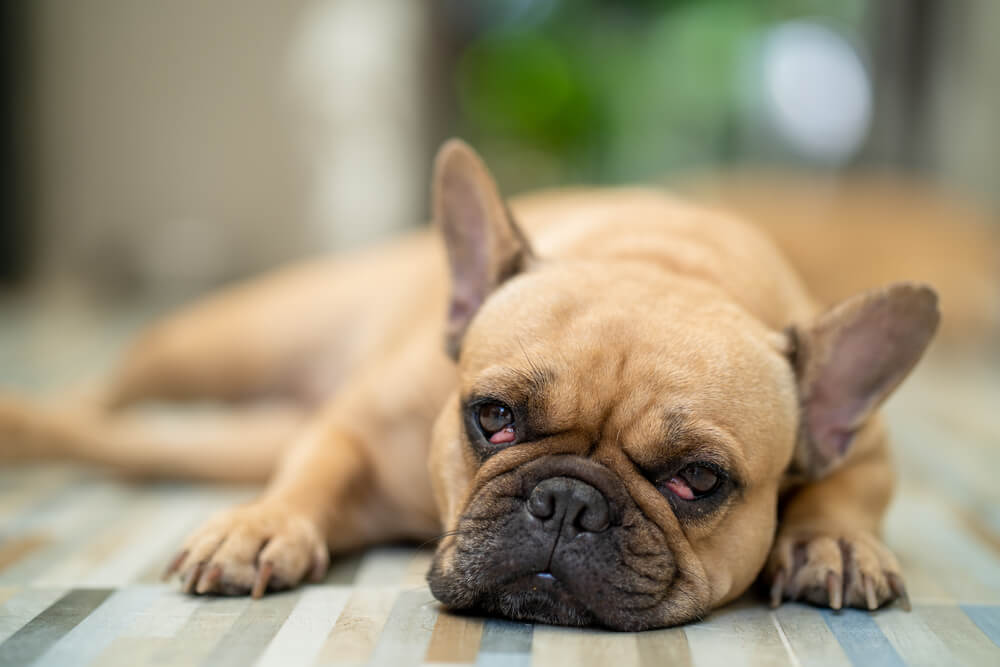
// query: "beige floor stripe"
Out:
[559,647]
[132,651]
[407,631]
[384,566]
[353,637]
[195,640]
[810,637]
[250,634]
[150,632]
[737,635]
[455,639]
[301,637]
[663,647]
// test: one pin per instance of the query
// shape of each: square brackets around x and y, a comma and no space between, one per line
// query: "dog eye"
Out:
[496,421]
[694,482]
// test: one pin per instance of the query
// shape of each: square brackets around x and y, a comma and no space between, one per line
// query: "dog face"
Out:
[623,447]
[615,449]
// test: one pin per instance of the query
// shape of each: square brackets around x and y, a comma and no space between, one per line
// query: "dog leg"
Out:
[355,476]
[322,500]
[285,334]
[236,444]
[827,549]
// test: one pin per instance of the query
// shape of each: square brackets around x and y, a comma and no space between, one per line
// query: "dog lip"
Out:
[543,583]
[539,597]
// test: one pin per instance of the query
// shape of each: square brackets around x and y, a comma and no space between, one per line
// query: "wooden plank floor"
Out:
[80,553]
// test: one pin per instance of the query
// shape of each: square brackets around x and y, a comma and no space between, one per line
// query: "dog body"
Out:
[635,391]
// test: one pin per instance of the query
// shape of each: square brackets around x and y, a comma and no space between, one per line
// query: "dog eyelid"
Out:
[705,449]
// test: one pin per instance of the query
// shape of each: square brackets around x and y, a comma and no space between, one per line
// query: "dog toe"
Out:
[251,550]
[828,569]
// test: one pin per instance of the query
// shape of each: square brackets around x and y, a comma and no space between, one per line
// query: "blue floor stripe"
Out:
[987,618]
[861,638]
[505,644]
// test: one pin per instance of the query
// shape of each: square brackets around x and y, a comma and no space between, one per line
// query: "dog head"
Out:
[616,446]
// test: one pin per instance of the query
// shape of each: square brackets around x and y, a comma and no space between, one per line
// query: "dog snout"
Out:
[565,503]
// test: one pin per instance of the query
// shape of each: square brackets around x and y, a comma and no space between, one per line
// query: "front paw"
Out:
[834,568]
[251,549]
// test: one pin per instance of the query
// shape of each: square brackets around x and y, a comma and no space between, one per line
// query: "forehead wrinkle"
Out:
[684,435]
[514,382]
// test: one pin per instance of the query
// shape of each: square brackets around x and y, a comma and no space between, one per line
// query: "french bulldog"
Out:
[609,406]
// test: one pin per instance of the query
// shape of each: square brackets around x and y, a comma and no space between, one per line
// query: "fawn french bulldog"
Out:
[636,412]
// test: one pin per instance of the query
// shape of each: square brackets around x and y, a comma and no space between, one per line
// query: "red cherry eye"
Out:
[496,421]
[693,482]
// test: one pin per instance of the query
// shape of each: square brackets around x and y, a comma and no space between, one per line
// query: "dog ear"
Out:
[485,246]
[850,360]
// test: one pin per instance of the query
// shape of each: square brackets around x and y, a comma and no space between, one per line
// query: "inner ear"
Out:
[485,246]
[850,360]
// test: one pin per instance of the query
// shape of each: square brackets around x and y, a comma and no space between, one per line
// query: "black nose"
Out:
[565,502]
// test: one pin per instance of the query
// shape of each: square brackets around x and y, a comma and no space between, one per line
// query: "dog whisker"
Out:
[447,533]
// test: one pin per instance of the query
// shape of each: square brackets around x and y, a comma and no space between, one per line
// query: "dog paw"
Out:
[834,569]
[251,549]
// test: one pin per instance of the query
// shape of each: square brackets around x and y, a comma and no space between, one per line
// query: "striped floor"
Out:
[80,554]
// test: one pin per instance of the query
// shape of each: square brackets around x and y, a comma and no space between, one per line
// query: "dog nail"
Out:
[192,580]
[870,598]
[777,588]
[317,573]
[320,564]
[209,580]
[174,565]
[835,590]
[260,582]
[899,590]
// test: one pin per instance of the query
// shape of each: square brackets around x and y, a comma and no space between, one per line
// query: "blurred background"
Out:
[156,149]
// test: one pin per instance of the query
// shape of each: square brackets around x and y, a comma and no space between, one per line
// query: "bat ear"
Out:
[849,360]
[485,246]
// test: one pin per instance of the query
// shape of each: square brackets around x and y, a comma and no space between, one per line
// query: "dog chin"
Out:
[538,598]
[530,597]
[542,598]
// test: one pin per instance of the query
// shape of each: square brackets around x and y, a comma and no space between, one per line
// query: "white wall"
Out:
[183,142]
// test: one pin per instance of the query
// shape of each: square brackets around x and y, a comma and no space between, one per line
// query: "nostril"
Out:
[569,503]
[594,517]
[541,504]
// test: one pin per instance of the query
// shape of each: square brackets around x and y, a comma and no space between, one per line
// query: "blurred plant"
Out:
[594,90]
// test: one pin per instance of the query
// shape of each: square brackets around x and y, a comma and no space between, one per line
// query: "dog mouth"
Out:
[538,597]
[559,546]
[540,584]
[610,595]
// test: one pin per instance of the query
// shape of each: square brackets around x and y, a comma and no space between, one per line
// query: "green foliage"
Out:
[603,91]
